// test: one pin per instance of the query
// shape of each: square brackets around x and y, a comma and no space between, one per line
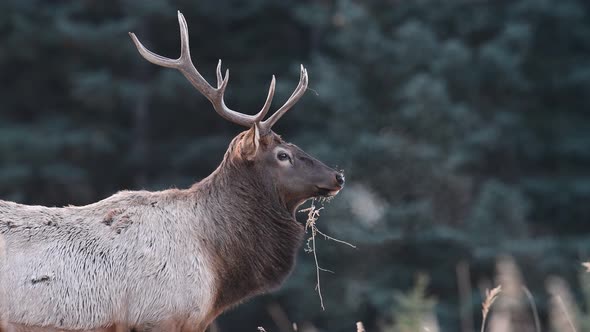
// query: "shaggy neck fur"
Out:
[252,237]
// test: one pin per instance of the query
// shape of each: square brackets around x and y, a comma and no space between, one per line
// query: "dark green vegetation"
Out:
[462,126]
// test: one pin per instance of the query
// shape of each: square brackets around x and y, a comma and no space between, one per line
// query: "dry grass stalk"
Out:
[464,284]
[360,327]
[313,214]
[280,318]
[531,299]
[512,311]
[566,313]
[561,305]
[491,296]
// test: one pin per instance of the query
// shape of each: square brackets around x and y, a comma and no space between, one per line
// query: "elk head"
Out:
[295,175]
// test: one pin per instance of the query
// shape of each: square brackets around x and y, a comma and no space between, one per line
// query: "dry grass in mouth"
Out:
[313,214]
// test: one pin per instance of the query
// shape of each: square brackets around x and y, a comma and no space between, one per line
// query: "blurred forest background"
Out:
[462,126]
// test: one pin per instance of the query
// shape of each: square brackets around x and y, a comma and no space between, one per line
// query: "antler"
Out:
[215,95]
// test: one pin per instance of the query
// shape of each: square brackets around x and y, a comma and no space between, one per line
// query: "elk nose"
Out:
[340,179]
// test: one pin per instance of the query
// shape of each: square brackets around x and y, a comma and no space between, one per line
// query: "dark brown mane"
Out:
[256,237]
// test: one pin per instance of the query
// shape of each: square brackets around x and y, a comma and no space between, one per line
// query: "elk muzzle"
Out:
[333,186]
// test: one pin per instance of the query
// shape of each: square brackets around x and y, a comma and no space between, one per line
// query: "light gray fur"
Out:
[134,258]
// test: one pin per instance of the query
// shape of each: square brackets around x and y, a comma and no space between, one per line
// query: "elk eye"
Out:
[283,156]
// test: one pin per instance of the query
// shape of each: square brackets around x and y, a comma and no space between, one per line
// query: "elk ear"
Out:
[250,143]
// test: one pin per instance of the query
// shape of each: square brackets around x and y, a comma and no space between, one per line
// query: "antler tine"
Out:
[151,56]
[215,95]
[266,107]
[266,125]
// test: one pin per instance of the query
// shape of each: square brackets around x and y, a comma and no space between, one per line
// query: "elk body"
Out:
[171,260]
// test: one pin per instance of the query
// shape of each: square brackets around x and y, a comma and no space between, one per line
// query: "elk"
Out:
[170,260]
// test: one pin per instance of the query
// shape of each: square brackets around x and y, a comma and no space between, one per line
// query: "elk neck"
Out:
[251,237]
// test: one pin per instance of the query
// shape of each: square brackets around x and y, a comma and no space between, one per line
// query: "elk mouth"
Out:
[327,192]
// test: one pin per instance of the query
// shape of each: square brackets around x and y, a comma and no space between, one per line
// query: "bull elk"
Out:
[170,260]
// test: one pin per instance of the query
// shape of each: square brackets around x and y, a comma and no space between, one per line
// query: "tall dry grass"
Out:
[491,296]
